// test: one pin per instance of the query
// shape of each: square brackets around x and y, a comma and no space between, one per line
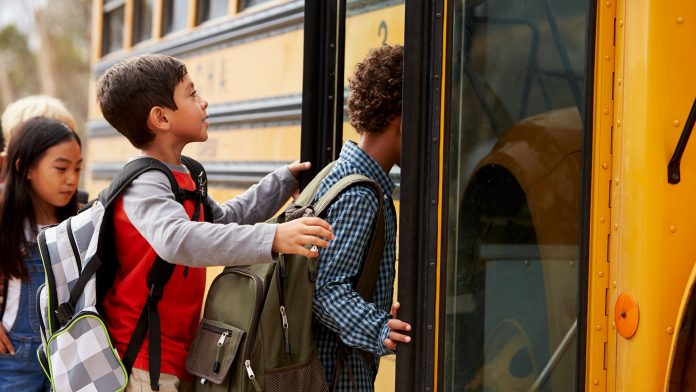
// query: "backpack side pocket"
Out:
[81,354]
[213,350]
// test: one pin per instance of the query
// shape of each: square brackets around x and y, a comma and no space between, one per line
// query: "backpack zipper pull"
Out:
[286,335]
[250,372]
[220,342]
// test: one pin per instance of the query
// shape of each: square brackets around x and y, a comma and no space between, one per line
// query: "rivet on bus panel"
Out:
[606,111]
[672,229]
[608,3]
[613,325]
[680,20]
[616,181]
[607,57]
[618,123]
[605,165]
[613,284]
[616,226]
[600,274]
[676,123]
[621,23]
[602,220]
[670,330]
[618,81]
[598,328]
[595,382]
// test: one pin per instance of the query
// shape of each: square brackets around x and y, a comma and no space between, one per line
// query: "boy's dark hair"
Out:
[375,89]
[130,89]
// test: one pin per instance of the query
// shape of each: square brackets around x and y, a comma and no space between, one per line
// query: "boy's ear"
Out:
[158,119]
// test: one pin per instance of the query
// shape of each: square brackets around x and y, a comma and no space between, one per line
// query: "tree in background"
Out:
[44,49]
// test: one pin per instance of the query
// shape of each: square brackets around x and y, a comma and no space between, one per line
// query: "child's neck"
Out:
[44,213]
[166,155]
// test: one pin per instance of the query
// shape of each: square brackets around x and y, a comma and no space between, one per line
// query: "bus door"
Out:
[494,103]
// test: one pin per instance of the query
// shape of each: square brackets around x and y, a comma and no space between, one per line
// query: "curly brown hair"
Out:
[375,97]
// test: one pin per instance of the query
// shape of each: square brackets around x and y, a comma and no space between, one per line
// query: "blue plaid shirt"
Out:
[338,309]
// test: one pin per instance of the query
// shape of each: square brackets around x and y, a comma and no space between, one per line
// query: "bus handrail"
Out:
[673,167]
[555,358]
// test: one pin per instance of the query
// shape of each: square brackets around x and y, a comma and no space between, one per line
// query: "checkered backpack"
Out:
[78,257]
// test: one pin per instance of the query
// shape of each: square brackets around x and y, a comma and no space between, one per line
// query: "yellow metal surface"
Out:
[599,284]
[652,228]
[250,144]
[254,70]
[371,30]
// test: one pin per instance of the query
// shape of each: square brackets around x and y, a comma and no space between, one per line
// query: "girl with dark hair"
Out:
[40,174]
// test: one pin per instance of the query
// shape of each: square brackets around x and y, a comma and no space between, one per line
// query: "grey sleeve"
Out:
[150,206]
[258,203]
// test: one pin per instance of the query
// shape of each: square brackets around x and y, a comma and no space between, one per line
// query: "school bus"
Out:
[545,233]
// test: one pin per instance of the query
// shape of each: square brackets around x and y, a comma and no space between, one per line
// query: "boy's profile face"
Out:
[189,121]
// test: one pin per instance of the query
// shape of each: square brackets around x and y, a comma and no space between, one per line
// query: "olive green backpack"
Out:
[256,331]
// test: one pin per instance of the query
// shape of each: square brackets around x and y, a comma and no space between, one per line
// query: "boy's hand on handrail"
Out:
[293,236]
[295,169]
[396,326]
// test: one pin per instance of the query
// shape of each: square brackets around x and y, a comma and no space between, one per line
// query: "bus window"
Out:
[112,33]
[514,197]
[244,4]
[175,13]
[210,9]
[142,20]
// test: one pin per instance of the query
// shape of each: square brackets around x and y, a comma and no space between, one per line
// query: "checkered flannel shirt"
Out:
[338,310]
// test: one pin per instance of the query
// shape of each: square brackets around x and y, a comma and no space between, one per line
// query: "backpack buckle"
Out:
[64,312]
[156,292]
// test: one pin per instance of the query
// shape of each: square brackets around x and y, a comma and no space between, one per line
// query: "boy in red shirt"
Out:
[152,101]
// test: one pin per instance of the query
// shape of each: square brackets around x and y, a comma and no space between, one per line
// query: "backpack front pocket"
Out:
[213,350]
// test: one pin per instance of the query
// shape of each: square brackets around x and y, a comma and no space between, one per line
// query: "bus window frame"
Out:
[322,84]
[420,181]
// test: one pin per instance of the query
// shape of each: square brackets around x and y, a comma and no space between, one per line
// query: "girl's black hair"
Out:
[28,143]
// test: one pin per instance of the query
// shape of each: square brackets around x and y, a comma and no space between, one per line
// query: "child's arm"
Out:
[150,207]
[258,203]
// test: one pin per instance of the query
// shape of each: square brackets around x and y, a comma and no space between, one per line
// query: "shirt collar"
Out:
[365,165]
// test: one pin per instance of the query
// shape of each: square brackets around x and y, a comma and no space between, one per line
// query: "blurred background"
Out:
[44,49]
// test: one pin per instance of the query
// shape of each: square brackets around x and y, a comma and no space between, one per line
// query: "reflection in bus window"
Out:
[210,9]
[244,4]
[112,34]
[175,13]
[514,195]
[142,20]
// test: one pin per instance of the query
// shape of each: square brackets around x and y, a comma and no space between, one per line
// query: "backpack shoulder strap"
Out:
[367,277]
[307,194]
[130,172]
[201,179]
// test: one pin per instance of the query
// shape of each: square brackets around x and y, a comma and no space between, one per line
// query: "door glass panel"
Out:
[514,195]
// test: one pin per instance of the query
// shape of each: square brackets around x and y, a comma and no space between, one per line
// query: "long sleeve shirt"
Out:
[338,310]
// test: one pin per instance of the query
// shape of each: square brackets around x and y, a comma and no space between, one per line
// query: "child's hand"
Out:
[296,167]
[5,345]
[396,327]
[291,237]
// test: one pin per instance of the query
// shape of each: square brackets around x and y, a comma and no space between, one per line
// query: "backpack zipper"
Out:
[282,273]
[224,333]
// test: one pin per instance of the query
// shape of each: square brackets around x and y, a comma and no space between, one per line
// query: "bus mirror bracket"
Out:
[673,167]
